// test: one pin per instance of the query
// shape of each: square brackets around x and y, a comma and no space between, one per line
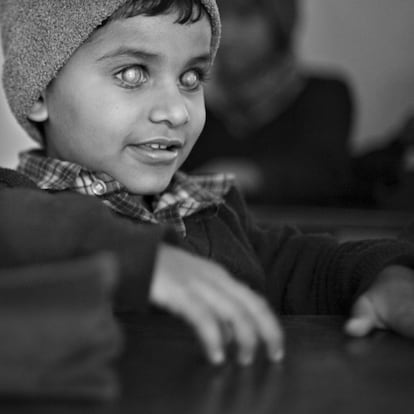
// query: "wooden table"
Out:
[343,223]
[163,371]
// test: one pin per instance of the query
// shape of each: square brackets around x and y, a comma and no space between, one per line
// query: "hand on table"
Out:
[219,308]
[388,304]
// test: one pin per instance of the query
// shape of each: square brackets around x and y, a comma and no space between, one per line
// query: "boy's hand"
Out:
[219,308]
[389,303]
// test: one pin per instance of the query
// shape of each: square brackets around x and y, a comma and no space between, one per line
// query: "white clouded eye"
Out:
[191,79]
[132,76]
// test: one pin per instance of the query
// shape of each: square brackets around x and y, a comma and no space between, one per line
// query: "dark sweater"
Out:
[297,273]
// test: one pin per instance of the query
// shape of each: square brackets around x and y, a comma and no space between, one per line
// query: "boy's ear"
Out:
[39,112]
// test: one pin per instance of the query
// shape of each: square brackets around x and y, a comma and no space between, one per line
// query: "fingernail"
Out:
[357,326]
[246,359]
[217,357]
[277,356]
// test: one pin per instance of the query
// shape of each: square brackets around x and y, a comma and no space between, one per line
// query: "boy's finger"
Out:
[268,327]
[261,316]
[363,318]
[206,326]
[234,320]
[359,326]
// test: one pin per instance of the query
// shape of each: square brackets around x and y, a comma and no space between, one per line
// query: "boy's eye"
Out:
[132,76]
[191,79]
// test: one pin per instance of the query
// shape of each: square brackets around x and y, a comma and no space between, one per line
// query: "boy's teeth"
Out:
[158,146]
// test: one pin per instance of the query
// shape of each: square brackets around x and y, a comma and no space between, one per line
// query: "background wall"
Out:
[370,41]
[12,137]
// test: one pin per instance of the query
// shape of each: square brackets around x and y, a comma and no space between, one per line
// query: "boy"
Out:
[113,90]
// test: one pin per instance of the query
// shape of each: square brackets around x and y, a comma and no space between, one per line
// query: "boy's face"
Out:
[130,101]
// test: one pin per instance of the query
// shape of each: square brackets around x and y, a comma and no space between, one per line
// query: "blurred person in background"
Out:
[282,129]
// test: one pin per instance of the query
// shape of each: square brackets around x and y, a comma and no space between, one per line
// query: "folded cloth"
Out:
[58,335]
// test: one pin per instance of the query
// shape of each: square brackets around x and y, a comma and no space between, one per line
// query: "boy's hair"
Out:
[39,37]
[189,11]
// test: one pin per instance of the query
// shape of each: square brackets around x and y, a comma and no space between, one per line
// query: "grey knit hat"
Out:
[39,36]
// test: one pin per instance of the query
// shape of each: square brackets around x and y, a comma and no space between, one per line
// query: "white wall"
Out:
[369,40]
[372,41]
[12,137]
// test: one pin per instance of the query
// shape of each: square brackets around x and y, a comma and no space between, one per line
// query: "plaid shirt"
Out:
[184,196]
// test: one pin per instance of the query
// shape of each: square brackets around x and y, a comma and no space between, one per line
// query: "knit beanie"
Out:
[39,37]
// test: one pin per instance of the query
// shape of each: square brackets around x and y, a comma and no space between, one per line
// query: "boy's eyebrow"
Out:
[202,59]
[126,51]
[142,54]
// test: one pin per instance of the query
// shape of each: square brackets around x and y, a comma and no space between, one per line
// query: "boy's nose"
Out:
[170,108]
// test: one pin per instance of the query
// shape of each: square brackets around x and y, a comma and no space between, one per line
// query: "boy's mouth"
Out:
[162,144]
[157,150]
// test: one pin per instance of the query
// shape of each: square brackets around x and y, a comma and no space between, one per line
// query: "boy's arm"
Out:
[308,274]
[38,227]
[371,281]
[316,274]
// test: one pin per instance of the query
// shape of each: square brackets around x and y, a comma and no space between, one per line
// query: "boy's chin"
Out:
[149,189]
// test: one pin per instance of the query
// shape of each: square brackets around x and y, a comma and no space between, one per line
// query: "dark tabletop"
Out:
[163,371]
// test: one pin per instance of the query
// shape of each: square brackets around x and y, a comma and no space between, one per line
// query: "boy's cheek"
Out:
[200,115]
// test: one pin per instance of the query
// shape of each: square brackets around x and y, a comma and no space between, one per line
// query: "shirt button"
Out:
[98,187]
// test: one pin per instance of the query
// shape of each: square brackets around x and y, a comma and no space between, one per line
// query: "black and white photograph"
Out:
[207,206]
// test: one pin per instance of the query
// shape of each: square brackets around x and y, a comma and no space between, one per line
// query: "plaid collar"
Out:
[184,196]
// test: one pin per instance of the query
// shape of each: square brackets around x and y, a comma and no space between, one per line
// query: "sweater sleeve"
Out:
[310,273]
[38,227]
